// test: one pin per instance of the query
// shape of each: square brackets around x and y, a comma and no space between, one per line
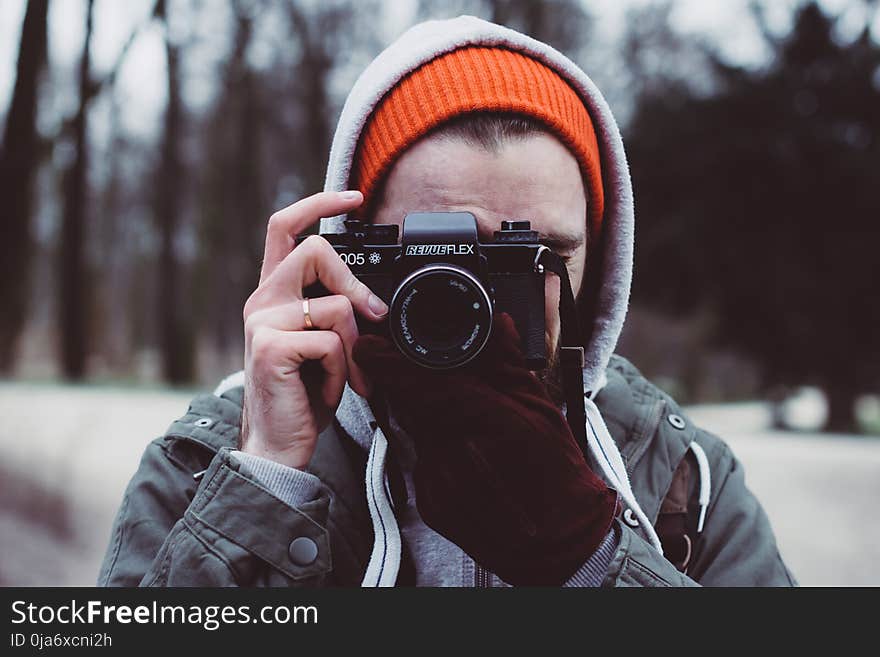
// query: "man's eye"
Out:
[563,250]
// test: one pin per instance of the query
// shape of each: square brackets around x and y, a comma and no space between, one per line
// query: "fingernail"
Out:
[351,196]
[377,306]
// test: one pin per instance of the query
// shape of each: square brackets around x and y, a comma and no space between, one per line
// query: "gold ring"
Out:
[306,316]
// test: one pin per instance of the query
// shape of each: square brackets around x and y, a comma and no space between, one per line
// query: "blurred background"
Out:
[146,142]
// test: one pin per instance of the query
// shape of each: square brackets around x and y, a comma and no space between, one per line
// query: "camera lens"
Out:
[441,316]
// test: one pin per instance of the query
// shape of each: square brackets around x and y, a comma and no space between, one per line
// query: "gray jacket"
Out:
[194,516]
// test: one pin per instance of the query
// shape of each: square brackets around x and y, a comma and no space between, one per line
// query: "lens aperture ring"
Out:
[441,316]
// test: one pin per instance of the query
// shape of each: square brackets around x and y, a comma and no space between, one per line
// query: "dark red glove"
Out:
[499,472]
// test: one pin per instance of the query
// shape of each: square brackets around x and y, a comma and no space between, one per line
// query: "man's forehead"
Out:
[559,231]
[534,179]
[553,228]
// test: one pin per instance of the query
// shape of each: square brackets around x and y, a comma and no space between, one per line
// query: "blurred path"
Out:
[68,452]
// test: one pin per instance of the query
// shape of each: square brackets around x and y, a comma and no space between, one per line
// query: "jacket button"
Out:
[676,421]
[303,551]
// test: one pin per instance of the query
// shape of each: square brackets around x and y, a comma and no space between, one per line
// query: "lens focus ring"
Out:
[440,316]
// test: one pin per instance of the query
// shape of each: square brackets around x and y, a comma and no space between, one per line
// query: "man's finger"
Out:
[286,224]
[273,350]
[311,261]
[332,313]
[326,347]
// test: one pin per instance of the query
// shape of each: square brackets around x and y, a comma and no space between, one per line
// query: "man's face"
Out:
[534,178]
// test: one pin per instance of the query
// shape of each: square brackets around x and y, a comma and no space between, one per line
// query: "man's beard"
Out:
[551,376]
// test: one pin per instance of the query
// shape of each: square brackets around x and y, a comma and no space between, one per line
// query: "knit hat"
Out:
[472,79]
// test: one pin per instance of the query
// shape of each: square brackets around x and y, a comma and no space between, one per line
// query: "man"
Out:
[380,472]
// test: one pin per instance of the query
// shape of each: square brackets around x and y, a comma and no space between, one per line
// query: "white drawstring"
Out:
[385,559]
[234,380]
[705,482]
[605,451]
[615,460]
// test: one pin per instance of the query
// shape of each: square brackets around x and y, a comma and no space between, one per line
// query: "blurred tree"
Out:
[318,34]
[73,288]
[564,24]
[110,260]
[758,201]
[19,157]
[328,36]
[234,199]
[656,56]
[110,252]
[267,139]
[75,276]
[175,320]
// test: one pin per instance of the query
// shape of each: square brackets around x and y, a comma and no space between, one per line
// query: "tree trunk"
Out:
[18,165]
[313,71]
[73,288]
[841,409]
[175,330]
[232,258]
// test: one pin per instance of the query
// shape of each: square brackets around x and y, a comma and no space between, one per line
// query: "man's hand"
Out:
[499,472]
[284,412]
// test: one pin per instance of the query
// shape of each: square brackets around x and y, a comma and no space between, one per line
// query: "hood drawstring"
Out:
[387,547]
[705,482]
[357,418]
[604,450]
[606,453]
[234,380]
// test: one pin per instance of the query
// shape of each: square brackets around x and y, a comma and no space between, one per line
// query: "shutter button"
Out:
[303,551]
[676,421]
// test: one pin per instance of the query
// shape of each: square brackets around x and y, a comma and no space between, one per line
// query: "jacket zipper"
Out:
[481,577]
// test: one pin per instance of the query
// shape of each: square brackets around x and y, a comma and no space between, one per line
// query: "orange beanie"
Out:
[468,80]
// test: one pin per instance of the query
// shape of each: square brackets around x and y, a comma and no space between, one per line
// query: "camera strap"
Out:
[571,349]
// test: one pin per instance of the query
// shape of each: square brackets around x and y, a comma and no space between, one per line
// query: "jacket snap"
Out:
[204,422]
[303,551]
[630,519]
[676,421]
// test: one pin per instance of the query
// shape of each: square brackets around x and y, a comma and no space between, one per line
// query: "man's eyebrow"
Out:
[561,241]
[558,241]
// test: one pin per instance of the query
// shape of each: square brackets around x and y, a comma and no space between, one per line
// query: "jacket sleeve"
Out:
[218,528]
[737,546]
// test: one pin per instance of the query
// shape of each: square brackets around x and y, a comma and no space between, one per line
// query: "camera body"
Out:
[442,285]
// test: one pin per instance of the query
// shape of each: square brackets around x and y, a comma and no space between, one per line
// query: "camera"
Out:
[442,285]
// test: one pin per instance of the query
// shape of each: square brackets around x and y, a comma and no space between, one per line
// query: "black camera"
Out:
[442,285]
